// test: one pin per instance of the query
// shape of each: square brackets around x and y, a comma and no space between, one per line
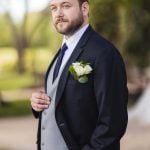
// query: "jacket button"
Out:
[43,128]
[43,144]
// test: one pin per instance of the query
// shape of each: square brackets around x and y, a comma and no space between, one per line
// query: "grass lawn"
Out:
[36,60]
[15,108]
[16,81]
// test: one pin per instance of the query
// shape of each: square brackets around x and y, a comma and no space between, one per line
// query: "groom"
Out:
[84,106]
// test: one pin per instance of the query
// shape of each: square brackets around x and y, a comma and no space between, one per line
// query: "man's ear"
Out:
[85,8]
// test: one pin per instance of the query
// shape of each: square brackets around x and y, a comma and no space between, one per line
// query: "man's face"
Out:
[67,16]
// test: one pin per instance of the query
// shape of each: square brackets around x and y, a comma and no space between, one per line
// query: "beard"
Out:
[68,28]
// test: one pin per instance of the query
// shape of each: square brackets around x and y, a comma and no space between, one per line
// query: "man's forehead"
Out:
[55,1]
[60,0]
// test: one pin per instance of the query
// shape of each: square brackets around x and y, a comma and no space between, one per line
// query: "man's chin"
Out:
[65,30]
[61,30]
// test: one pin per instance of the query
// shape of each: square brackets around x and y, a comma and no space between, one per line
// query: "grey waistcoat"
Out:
[51,138]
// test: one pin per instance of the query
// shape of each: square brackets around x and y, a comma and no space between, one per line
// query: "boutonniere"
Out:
[80,70]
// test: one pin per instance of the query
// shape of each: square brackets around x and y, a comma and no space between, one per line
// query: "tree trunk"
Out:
[1,99]
[20,45]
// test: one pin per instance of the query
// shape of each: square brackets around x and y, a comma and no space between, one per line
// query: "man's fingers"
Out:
[39,107]
[40,95]
[43,102]
[41,98]
[40,101]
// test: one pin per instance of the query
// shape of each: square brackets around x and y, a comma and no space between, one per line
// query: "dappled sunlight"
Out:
[8,59]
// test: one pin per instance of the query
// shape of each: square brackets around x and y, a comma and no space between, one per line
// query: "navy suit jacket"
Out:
[93,115]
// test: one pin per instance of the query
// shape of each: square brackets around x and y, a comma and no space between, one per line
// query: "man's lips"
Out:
[61,21]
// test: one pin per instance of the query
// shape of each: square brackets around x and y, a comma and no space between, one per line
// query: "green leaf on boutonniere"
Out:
[83,79]
[73,73]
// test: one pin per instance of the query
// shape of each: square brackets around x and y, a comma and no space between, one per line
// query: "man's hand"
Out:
[39,101]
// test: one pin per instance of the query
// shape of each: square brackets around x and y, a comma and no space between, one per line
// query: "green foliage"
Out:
[137,45]
[16,81]
[8,60]
[36,63]
[73,73]
[105,18]
[5,32]
[125,23]
[15,108]
[38,36]
[36,59]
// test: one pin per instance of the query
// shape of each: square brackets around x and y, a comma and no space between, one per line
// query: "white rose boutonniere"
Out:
[80,70]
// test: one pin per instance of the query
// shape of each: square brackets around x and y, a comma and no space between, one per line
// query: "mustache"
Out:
[59,20]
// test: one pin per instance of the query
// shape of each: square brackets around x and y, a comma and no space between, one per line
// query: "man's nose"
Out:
[59,12]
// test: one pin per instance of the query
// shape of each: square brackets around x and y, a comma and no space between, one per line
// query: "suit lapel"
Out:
[47,72]
[77,51]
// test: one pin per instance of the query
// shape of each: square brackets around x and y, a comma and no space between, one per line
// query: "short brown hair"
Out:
[82,1]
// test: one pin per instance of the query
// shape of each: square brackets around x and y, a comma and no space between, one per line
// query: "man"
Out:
[84,106]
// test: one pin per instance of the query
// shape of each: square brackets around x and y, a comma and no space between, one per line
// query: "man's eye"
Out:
[66,6]
[53,8]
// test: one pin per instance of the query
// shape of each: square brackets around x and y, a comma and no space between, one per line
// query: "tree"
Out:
[21,40]
[126,24]
[137,46]
[105,18]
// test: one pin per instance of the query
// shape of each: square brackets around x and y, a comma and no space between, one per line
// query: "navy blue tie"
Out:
[59,61]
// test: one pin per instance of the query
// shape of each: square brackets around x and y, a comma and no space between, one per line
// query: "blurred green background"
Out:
[28,42]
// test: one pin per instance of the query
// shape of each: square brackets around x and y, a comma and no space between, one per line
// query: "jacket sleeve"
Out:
[36,114]
[111,96]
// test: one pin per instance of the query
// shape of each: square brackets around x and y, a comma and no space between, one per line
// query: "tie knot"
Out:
[64,47]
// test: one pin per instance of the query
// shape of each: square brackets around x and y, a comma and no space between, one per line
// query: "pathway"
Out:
[20,134]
